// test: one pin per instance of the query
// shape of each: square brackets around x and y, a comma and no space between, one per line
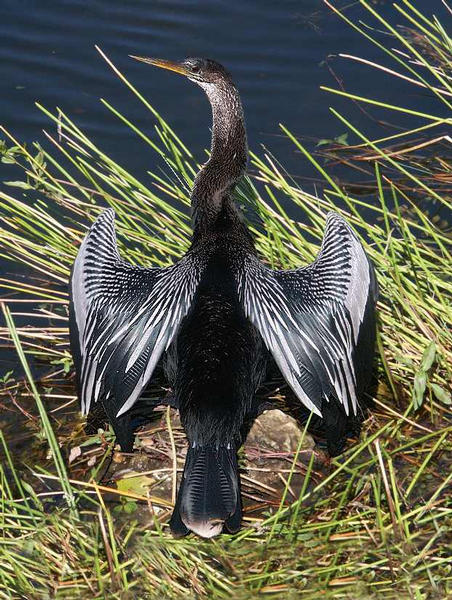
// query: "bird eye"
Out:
[195,69]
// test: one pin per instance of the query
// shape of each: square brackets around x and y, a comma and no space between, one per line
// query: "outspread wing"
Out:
[122,317]
[313,319]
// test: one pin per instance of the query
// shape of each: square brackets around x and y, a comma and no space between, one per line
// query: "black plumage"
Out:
[215,317]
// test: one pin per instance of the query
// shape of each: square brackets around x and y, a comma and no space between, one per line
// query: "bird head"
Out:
[199,70]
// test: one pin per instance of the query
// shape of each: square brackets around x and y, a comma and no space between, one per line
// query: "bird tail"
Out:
[209,494]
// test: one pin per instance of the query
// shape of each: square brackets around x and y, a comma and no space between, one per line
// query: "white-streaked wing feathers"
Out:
[126,316]
[310,318]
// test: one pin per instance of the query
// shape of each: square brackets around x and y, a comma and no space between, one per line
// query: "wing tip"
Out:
[316,411]
[125,407]
[108,212]
[103,233]
[105,217]
[332,216]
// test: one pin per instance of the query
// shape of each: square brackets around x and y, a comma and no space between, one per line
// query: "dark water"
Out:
[275,50]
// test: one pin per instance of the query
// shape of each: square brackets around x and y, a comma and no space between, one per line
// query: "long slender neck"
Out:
[229,152]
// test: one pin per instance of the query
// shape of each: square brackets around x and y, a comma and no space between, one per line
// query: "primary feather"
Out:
[125,316]
[311,317]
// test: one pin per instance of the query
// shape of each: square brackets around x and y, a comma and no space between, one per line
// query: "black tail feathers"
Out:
[209,494]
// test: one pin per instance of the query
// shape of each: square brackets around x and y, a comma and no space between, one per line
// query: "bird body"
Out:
[217,363]
[216,316]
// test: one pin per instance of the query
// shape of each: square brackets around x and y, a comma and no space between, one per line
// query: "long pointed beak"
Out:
[163,64]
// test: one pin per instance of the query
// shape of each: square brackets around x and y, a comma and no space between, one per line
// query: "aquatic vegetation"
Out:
[375,521]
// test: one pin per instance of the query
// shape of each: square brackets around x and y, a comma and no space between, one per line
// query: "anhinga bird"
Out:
[215,316]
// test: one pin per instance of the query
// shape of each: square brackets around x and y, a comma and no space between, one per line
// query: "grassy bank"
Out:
[81,520]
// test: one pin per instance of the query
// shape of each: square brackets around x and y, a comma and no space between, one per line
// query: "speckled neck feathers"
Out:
[215,181]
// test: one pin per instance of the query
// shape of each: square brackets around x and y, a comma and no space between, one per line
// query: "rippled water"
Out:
[275,50]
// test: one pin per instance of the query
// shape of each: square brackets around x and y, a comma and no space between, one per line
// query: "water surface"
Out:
[278,52]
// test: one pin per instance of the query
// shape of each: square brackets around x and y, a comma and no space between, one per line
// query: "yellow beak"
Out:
[163,64]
